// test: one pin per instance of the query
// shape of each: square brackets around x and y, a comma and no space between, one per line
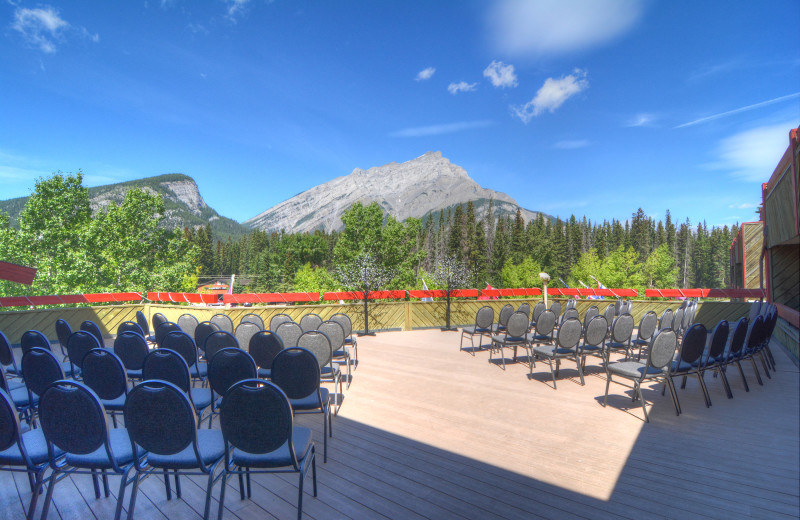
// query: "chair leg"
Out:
[166,484]
[755,369]
[96,483]
[704,389]
[123,481]
[608,383]
[105,483]
[177,484]
[725,384]
[241,485]
[134,491]
[638,390]
[300,497]
[249,487]
[580,369]
[209,488]
[674,393]
[744,379]
[49,495]
[764,363]
[36,490]
[224,479]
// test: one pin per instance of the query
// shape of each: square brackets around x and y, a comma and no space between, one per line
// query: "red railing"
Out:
[310,297]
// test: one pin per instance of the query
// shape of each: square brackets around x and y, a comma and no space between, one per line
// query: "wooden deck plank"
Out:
[429,431]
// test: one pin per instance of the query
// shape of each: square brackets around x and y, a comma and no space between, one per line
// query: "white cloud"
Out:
[641,120]
[425,74]
[739,110]
[745,205]
[552,95]
[571,145]
[447,128]
[522,27]
[463,86]
[236,8]
[40,26]
[752,155]
[500,74]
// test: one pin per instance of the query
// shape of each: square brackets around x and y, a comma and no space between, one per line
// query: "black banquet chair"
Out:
[73,421]
[93,329]
[131,348]
[105,374]
[244,331]
[217,341]
[565,347]
[276,320]
[161,420]
[187,322]
[223,321]
[264,346]
[296,372]
[260,437]
[514,336]
[253,318]
[482,327]
[659,355]
[226,368]
[167,365]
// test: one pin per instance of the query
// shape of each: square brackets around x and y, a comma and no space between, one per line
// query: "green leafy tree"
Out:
[524,274]
[660,270]
[314,279]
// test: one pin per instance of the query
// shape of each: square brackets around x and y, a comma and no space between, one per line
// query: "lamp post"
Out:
[545,278]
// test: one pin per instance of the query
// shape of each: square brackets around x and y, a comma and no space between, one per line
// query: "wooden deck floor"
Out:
[428,431]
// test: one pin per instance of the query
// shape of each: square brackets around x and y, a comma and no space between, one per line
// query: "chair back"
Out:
[129,326]
[92,328]
[264,346]
[219,340]
[72,418]
[6,354]
[739,335]
[688,316]
[253,318]
[647,325]
[203,330]
[591,312]
[289,332]
[693,344]
[244,331]
[627,307]
[755,332]
[662,349]
[63,330]
[517,325]
[677,320]
[141,319]
[164,329]
[10,430]
[131,348]
[505,314]
[618,306]
[160,417]
[33,339]
[484,318]
[344,320]
[526,308]
[167,365]
[276,320]
[556,308]
[181,343]
[719,338]
[187,322]
[223,321]
[569,333]
[665,322]
[104,373]
[572,312]
[310,321]
[596,331]
[229,366]
[318,344]
[79,344]
[335,333]
[296,371]
[537,310]
[622,328]
[256,417]
[546,323]
[571,304]
[157,320]
[610,314]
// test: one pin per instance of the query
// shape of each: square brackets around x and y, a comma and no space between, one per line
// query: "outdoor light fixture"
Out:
[545,278]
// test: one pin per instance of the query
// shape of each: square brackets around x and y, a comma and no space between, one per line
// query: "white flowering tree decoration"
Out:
[451,274]
[364,274]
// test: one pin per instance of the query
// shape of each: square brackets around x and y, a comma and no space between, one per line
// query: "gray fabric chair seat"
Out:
[327,371]
[590,349]
[21,398]
[116,404]
[301,439]
[135,373]
[310,402]
[120,447]
[34,444]
[210,445]
[472,329]
[682,366]
[634,369]
[264,373]
[508,340]
[538,338]
[554,351]
[615,345]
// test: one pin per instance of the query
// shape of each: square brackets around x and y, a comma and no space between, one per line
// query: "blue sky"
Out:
[588,107]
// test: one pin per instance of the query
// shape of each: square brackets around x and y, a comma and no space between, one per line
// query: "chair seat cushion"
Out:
[616,344]
[264,373]
[135,373]
[201,397]
[310,402]
[301,440]
[21,398]
[341,354]
[116,404]
[120,448]
[35,445]
[508,340]
[539,338]
[199,370]
[472,329]
[554,351]
[633,370]
[680,366]
[210,445]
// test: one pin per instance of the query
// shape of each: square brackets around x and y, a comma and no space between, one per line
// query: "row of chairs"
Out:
[160,434]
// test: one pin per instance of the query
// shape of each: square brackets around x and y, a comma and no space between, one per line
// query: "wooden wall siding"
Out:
[785,273]
[788,336]
[753,242]
[14,323]
[781,218]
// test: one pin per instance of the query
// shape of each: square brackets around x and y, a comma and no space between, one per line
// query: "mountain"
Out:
[183,203]
[410,189]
